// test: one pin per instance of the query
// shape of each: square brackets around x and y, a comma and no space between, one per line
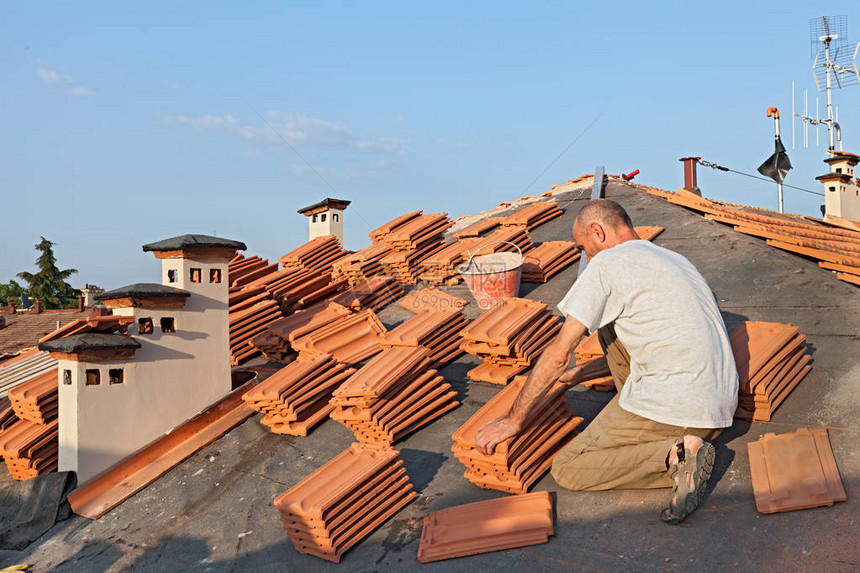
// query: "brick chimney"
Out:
[37,306]
[10,308]
[690,183]
[81,305]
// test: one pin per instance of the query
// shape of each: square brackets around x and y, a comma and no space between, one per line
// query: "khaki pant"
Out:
[620,450]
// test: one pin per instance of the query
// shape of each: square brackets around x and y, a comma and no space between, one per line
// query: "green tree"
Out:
[11,292]
[49,284]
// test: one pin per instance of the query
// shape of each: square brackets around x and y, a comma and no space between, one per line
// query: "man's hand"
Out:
[493,433]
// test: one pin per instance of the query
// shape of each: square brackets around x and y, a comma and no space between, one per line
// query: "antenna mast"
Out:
[838,64]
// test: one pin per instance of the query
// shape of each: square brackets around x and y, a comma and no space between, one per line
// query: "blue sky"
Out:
[124,124]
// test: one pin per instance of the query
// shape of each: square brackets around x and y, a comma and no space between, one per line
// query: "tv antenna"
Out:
[834,59]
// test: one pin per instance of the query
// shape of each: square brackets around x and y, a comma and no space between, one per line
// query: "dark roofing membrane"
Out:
[89,341]
[143,290]
[191,241]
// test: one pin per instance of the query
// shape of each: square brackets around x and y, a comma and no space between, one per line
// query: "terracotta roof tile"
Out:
[483,526]
[318,254]
[815,238]
[794,471]
[93,324]
[533,215]
[431,299]
[547,259]
[348,339]
[519,461]
[36,400]
[297,397]
[381,232]
[436,330]
[771,360]
[509,337]
[479,228]
[340,503]
[440,268]
[392,395]
[29,449]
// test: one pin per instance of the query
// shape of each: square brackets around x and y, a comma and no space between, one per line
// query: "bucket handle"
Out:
[471,262]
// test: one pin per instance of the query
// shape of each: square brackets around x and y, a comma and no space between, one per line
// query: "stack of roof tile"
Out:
[381,233]
[392,395]
[406,266]
[242,270]
[794,471]
[28,435]
[7,415]
[533,215]
[247,323]
[343,501]
[296,398]
[348,339]
[508,337]
[416,232]
[431,299]
[771,359]
[500,242]
[837,247]
[436,330]
[440,268]
[410,239]
[478,228]
[30,449]
[374,294]
[37,400]
[519,461]
[484,526]
[360,265]
[547,259]
[274,342]
[318,254]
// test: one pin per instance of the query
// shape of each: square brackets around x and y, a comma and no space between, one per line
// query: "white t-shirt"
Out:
[682,369]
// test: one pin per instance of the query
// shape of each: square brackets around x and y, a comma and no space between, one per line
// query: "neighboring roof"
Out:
[89,341]
[833,246]
[144,290]
[193,241]
[329,202]
[24,329]
[26,367]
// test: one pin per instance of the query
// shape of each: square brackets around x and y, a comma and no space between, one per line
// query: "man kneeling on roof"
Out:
[666,347]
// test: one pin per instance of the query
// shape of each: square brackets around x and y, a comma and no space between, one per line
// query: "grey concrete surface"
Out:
[214,512]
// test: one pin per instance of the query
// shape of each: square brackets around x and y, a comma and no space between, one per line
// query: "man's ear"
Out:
[598,232]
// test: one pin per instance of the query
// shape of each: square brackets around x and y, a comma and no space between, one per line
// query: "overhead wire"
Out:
[721,168]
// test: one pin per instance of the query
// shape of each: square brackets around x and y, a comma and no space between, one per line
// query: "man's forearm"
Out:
[550,365]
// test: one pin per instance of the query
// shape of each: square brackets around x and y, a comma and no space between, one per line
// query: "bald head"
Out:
[602,224]
[608,213]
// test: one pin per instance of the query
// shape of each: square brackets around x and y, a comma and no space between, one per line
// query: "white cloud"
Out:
[295,128]
[81,91]
[52,77]
[204,122]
